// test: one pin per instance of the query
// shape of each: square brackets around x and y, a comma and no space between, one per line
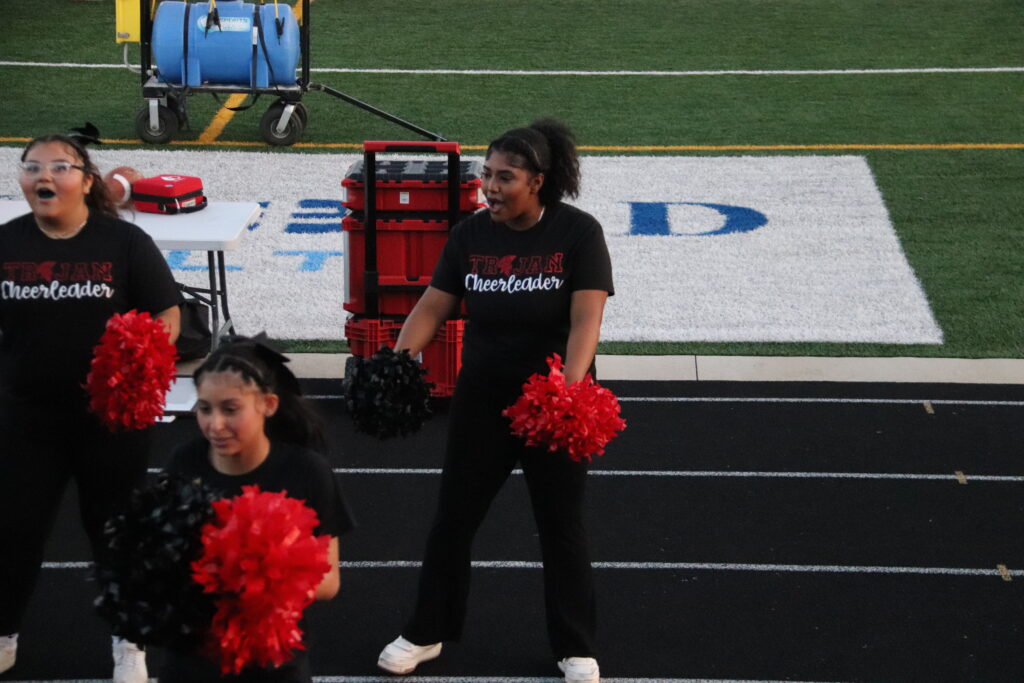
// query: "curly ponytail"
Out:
[546,146]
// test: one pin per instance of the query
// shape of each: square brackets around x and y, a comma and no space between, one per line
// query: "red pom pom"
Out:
[132,369]
[580,418]
[260,555]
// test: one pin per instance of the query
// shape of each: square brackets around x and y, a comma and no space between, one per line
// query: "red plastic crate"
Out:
[442,357]
[412,185]
[407,249]
[365,336]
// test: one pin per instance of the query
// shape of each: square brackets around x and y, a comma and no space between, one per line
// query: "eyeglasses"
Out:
[58,169]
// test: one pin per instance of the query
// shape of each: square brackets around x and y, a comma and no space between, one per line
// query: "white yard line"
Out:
[580,72]
[711,72]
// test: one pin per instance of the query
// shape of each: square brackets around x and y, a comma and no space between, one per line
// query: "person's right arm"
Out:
[331,582]
[430,312]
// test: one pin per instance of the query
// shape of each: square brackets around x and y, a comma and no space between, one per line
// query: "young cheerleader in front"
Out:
[257,430]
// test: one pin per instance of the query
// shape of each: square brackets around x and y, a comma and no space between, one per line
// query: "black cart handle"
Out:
[371,285]
[411,146]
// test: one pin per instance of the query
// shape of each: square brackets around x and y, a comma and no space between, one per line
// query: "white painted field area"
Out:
[780,248]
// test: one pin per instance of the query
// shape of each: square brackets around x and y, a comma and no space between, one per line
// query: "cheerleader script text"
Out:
[55,291]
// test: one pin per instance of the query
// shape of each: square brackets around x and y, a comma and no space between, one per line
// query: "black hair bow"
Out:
[263,349]
[86,135]
[261,345]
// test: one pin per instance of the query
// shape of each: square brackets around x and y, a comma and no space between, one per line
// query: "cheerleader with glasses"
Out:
[65,268]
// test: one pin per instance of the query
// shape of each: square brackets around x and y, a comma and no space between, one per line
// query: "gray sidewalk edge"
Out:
[753,369]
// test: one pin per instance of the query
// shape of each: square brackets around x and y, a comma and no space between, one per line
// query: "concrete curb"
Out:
[749,369]
[710,369]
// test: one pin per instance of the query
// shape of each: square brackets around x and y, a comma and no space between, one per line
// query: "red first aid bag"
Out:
[168,194]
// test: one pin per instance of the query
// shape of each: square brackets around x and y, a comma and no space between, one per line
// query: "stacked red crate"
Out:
[388,264]
[407,250]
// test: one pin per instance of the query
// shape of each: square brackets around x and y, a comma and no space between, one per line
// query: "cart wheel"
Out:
[303,113]
[178,107]
[292,132]
[167,122]
[300,111]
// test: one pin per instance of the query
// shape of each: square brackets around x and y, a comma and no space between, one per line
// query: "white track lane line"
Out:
[711,474]
[747,399]
[671,566]
[515,679]
[705,474]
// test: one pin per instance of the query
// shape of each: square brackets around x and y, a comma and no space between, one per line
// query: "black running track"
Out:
[755,532]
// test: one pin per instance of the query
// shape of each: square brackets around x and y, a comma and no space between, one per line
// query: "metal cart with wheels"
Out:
[283,123]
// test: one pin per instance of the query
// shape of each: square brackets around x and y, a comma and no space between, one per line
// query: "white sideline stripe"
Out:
[575,72]
[769,399]
[665,566]
[705,474]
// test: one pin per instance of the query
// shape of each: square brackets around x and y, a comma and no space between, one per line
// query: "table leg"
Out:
[229,324]
[214,291]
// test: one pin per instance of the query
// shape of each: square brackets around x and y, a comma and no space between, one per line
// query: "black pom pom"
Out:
[145,577]
[386,393]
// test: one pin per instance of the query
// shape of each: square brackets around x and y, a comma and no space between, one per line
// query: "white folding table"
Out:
[216,229]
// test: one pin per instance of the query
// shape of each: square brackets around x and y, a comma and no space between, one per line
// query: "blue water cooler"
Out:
[251,45]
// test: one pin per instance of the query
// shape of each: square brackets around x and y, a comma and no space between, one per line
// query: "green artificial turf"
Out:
[958,212]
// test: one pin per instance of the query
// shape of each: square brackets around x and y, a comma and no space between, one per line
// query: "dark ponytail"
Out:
[99,198]
[546,146]
[295,420]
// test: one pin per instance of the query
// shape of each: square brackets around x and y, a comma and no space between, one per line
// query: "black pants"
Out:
[42,447]
[481,453]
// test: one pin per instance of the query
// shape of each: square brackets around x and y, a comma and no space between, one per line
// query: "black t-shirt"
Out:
[304,475]
[56,296]
[518,287]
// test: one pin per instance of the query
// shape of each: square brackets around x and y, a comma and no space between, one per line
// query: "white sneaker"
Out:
[580,670]
[8,651]
[129,662]
[402,657]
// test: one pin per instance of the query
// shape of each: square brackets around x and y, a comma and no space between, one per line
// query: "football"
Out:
[119,183]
